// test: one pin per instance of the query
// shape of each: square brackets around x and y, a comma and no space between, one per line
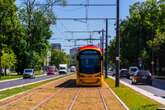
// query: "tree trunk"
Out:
[5,72]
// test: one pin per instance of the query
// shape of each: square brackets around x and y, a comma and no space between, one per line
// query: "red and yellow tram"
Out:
[90,70]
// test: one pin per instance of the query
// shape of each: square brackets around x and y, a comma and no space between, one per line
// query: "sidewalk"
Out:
[159,77]
[145,93]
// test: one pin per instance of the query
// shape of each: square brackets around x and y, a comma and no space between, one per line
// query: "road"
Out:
[158,87]
[13,83]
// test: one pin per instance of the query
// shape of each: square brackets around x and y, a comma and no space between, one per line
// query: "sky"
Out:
[60,30]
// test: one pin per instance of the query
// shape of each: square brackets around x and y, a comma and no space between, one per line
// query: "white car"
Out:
[133,70]
[63,68]
[28,73]
[72,69]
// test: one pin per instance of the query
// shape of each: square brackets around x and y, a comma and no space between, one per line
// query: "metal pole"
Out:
[117,44]
[102,43]
[106,49]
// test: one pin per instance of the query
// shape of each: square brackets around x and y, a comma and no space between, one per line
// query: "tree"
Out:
[36,20]
[8,59]
[142,33]
[11,31]
[59,57]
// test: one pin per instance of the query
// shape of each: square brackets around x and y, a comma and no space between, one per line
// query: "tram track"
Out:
[50,97]
[28,94]
[102,99]
[71,105]
[65,95]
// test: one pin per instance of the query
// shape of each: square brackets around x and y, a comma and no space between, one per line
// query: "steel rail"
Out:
[74,100]
[49,97]
[103,100]
[27,93]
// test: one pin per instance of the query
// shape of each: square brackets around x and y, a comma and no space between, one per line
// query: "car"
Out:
[72,69]
[63,68]
[28,73]
[51,70]
[124,73]
[133,70]
[142,77]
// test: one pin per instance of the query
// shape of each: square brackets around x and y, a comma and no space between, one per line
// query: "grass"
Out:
[10,77]
[15,75]
[39,72]
[133,99]
[11,92]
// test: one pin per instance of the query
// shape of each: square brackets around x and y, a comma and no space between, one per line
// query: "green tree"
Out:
[11,31]
[8,59]
[59,57]
[141,33]
[36,20]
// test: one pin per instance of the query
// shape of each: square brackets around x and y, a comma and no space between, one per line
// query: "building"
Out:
[73,56]
[56,46]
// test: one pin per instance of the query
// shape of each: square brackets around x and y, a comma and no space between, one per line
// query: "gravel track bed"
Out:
[63,94]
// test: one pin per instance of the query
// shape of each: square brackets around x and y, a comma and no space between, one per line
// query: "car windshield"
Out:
[133,69]
[61,68]
[28,71]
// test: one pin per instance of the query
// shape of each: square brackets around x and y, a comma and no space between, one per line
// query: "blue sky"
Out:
[59,30]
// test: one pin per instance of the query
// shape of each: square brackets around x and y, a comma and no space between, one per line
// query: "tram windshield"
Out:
[89,62]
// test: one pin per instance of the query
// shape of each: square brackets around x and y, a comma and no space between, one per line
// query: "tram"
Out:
[89,70]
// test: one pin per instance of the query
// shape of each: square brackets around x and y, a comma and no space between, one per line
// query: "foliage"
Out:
[36,21]
[11,31]
[8,58]
[141,33]
[59,57]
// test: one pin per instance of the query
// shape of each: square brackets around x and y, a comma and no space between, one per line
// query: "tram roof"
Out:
[86,47]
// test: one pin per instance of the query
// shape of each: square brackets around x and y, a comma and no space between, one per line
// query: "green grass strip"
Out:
[11,92]
[10,77]
[133,99]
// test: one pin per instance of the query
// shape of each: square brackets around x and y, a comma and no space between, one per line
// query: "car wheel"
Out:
[132,83]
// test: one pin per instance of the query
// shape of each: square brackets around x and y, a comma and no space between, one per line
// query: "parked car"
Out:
[63,68]
[124,73]
[133,70]
[72,69]
[28,73]
[51,70]
[142,77]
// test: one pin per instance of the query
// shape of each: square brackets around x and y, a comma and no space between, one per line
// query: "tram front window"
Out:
[90,64]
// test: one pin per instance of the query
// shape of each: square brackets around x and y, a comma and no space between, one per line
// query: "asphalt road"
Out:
[13,83]
[157,88]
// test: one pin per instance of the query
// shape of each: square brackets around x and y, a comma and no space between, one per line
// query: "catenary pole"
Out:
[117,43]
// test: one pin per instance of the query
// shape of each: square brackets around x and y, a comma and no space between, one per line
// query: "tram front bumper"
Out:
[89,81]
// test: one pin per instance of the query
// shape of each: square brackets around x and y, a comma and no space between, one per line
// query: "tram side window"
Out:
[90,64]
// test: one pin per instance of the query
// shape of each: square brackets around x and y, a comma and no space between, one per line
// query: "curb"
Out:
[57,78]
[121,102]
[143,92]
